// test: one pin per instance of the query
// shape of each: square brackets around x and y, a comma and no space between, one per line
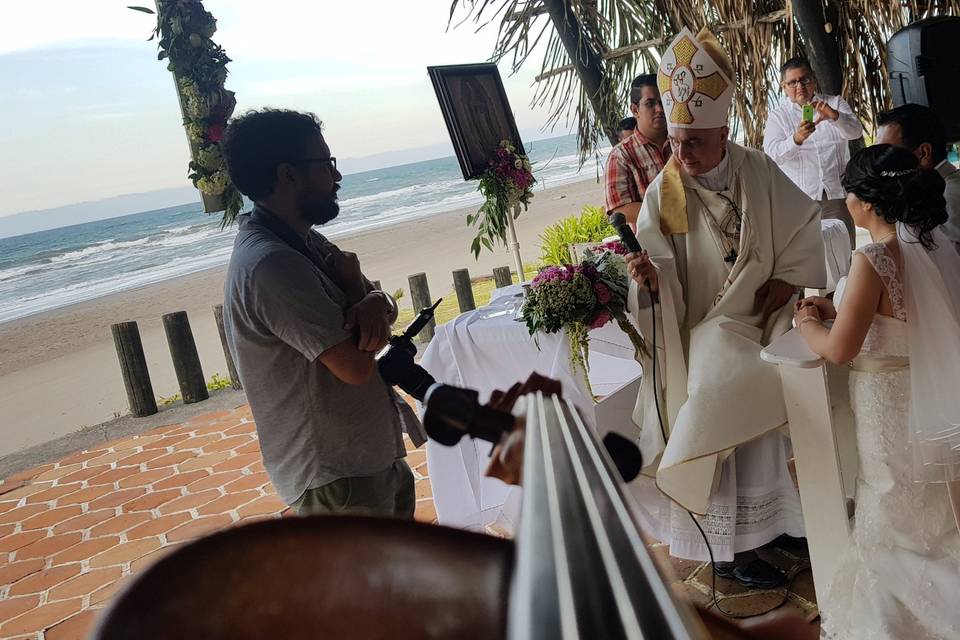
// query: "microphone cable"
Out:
[791,575]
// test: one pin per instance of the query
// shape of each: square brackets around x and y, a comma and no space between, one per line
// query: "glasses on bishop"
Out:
[802,80]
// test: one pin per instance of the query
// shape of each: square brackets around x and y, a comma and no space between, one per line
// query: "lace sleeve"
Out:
[886,267]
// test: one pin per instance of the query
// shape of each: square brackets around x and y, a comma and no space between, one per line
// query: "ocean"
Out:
[50,269]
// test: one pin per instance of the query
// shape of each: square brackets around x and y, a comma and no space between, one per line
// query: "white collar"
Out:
[717,179]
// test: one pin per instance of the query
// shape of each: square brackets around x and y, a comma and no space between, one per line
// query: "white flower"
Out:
[195,132]
[215,184]
[209,157]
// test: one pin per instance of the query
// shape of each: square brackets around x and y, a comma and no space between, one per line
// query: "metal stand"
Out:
[515,247]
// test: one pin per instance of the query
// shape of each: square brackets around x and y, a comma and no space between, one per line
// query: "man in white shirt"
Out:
[918,129]
[813,153]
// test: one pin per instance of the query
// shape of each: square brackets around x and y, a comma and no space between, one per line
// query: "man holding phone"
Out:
[807,136]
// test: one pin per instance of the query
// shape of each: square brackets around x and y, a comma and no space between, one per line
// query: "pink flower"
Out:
[601,319]
[550,273]
[616,247]
[215,133]
[603,293]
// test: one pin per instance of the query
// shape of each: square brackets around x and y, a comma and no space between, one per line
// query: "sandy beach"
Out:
[59,371]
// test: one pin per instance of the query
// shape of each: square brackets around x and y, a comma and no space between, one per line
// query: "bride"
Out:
[898,327]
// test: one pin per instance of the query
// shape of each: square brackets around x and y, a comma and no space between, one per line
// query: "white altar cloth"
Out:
[488,349]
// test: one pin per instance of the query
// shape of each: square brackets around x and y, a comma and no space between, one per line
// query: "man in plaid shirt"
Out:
[635,162]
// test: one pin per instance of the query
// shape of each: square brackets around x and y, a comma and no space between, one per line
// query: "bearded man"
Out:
[303,324]
[729,241]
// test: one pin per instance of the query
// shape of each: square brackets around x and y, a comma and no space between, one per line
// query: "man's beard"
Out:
[319,211]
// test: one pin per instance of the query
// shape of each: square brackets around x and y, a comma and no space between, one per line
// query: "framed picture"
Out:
[476,111]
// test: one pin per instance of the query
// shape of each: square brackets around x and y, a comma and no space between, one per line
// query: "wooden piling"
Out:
[186,361]
[133,367]
[464,290]
[231,366]
[420,297]
[502,277]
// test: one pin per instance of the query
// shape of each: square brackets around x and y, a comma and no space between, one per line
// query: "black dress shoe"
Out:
[787,542]
[751,571]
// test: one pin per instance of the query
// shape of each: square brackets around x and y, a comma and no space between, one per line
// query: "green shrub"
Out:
[590,226]
[216,383]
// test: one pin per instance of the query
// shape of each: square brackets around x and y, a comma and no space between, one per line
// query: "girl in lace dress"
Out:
[900,576]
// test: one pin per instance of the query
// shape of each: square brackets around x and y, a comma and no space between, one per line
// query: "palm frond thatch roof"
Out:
[627,35]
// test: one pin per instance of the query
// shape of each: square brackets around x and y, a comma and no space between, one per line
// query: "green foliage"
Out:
[506,187]
[590,226]
[216,383]
[199,66]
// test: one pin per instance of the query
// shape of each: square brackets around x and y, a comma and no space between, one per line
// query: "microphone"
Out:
[627,237]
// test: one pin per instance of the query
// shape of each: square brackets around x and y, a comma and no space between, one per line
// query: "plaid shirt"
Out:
[631,167]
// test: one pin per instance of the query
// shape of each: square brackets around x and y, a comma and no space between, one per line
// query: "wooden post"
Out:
[502,277]
[464,290]
[420,297]
[231,366]
[133,366]
[186,361]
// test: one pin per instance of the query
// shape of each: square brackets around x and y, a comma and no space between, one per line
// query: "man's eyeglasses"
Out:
[804,80]
[331,161]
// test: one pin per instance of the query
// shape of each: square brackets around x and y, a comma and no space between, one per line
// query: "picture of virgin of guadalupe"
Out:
[483,117]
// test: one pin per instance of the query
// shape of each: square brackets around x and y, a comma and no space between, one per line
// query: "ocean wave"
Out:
[401,193]
[121,254]
[193,238]
[179,230]
[87,290]
[18,272]
[100,247]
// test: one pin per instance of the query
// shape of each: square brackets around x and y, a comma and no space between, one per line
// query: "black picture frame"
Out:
[476,111]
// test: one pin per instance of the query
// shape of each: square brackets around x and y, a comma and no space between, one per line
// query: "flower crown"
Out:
[897,174]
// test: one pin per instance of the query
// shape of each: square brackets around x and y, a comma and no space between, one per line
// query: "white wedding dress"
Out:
[900,577]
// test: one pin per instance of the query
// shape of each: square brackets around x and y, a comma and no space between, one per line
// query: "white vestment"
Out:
[715,393]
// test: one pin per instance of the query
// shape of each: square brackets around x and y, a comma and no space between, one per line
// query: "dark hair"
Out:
[636,87]
[795,63]
[256,142]
[918,124]
[891,179]
[628,124]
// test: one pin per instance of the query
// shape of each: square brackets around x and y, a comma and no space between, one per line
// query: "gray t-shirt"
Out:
[280,313]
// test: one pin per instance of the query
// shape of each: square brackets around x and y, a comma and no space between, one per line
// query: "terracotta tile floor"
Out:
[71,532]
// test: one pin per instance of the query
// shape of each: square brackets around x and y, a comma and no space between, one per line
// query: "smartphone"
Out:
[808,112]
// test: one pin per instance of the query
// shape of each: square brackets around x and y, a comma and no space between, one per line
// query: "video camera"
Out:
[453,412]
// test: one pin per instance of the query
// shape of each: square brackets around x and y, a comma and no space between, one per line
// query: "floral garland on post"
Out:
[199,67]
[578,298]
[507,185]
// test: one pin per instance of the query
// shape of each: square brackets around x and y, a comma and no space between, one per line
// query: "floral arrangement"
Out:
[507,185]
[199,67]
[578,298]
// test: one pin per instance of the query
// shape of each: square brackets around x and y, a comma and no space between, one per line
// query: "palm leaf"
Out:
[759,36]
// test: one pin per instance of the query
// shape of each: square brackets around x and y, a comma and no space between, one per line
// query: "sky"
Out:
[87,112]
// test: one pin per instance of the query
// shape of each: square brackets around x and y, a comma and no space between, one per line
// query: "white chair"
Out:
[837,250]
[824,447]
